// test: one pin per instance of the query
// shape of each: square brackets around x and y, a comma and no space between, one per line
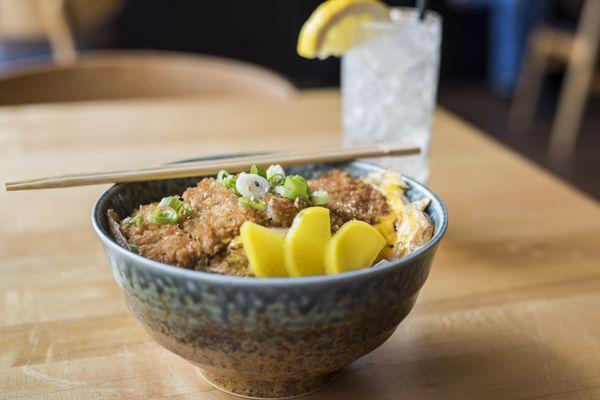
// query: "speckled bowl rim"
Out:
[282,281]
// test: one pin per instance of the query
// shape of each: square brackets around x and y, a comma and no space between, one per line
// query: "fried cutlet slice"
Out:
[280,211]
[350,198]
[217,216]
[168,243]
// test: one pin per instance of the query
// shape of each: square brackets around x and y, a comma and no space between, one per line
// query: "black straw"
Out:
[422,7]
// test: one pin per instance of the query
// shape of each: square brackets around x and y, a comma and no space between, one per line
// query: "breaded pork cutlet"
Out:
[168,243]
[350,198]
[218,216]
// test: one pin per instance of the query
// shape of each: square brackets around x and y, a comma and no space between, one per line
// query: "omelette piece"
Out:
[407,227]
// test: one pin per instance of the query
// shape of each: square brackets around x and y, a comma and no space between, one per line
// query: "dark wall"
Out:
[266,31]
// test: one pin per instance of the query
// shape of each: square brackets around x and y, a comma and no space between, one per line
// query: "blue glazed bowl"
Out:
[266,337]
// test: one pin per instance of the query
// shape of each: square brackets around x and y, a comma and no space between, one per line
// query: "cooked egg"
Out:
[406,227]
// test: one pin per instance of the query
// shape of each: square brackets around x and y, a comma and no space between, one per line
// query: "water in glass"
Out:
[389,86]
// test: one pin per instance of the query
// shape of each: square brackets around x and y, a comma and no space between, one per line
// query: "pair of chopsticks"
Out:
[211,167]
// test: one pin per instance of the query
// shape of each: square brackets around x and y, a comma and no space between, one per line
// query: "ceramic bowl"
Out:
[266,337]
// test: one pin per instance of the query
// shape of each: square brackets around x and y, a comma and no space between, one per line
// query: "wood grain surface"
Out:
[511,309]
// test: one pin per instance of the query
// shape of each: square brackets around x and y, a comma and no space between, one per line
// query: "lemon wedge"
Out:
[354,246]
[333,26]
[305,242]
[264,249]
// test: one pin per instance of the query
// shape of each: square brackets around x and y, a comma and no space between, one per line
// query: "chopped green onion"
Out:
[276,180]
[173,202]
[248,202]
[275,175]
[294,187]
[222,175]
[275,169]
[138,219]
[163,215]
[252,185]
[319,197]
[228,180]
[255,169]
[134,248]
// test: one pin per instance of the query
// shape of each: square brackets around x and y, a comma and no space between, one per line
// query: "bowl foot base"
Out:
[259,389]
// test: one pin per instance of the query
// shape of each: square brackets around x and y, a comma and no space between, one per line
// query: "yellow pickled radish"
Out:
[264,249]
[354,246]
[305,242]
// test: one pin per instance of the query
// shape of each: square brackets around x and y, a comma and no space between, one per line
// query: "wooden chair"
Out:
[129,74]
[30,21]
[579,50]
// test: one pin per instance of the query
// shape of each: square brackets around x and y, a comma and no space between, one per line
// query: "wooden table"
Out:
[511,309]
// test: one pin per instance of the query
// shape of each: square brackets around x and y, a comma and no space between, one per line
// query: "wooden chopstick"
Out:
[254,159]
[210,167]
[257,158]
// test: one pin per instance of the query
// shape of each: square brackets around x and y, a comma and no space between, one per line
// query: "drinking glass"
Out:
[389,86]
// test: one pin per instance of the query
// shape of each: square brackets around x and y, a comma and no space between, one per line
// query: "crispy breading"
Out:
[217,216]
[350,198]
[230,262]
[168,243]
[280,211]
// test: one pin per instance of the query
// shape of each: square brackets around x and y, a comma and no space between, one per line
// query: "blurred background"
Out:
[524,71]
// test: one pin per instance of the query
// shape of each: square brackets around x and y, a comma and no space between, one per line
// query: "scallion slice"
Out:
[222,175]
[227,180]
[248,202]
[294,187]
[275,175]
[138,219]
[319,197]
[163,215]
[276,180]
[173,202]
[255,169]
[134,248]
